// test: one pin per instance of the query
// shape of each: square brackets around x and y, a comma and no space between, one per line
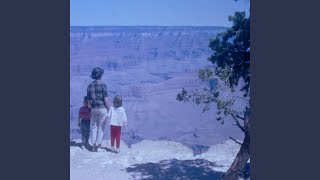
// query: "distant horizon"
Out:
[149,26]
[154,13]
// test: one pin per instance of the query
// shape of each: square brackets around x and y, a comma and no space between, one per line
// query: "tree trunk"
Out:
[240,161]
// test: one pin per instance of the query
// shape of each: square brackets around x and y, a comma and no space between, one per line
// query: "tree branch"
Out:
[247,119]
[242,118]
[235,140]
[238,123]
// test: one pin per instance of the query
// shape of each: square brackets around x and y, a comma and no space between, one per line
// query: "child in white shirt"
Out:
[118,118]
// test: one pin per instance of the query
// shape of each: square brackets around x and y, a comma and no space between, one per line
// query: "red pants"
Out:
[115,135]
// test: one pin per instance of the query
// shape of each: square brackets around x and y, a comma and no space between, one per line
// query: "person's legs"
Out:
[86,132]
[101,125]
[118,134]
[82,133]
[113,135]
[94,127]
[103,128]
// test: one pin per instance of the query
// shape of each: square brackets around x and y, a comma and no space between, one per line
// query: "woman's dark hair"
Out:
[117,101]
[97,73]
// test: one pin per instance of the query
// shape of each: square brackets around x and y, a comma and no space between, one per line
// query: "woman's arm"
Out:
[107,103]
[105,96]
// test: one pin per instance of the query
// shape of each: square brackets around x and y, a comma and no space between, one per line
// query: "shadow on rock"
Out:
[107,149]
[88,147]
[74,143]
[175,169]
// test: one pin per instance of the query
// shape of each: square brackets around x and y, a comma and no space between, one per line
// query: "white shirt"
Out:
[117,116]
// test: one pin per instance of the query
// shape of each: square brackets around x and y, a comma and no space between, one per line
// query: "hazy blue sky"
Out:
[154,12]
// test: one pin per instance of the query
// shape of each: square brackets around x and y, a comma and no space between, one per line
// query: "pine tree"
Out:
[231,63]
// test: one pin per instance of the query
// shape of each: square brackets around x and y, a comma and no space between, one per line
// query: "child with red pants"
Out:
[118,118]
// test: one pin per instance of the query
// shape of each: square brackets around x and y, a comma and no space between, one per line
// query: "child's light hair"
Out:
[117,101]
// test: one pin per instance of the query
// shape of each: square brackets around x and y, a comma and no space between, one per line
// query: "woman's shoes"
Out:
[94,148]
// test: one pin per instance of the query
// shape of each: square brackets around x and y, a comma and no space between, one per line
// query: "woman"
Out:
[99,103]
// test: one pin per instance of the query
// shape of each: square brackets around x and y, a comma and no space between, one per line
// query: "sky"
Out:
[154,12]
